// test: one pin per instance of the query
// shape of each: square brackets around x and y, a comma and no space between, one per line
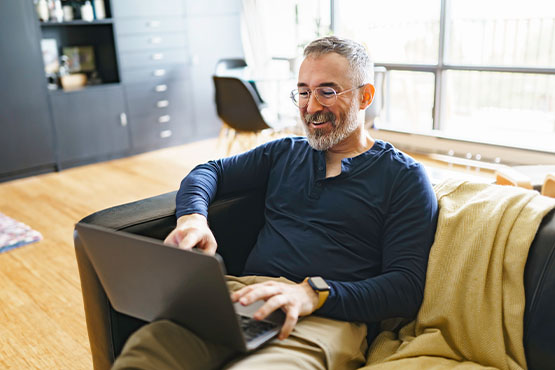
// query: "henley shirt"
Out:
[366,231]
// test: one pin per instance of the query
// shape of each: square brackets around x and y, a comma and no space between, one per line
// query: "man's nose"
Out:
[313,104]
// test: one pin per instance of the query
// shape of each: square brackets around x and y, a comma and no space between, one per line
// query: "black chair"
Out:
[226,65]
[241,110]
[229,63]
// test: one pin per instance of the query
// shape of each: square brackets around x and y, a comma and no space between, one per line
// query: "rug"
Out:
[15,234]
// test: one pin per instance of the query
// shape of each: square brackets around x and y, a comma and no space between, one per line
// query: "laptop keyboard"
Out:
[253,328]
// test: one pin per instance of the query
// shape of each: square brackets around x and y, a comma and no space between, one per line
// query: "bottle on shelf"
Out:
[42,10]
[87,13]
[68,13]
[56,11]
[99,10]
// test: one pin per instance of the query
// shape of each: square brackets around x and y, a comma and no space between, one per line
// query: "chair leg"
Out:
[223,135]
[231,140]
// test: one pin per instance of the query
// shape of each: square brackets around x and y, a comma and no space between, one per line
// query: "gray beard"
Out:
[321,140]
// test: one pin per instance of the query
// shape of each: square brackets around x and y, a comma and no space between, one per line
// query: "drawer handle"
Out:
[155,40]
[166,133]
[157,56]
[162,103]
[159,72]
[161,88]
[164,118]
[153,24]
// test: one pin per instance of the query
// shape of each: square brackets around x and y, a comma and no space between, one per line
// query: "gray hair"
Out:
[362,68]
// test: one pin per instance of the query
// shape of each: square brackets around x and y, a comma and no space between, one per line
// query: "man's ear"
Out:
[367,96]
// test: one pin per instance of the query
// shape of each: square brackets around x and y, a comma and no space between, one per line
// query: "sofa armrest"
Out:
[234,219]
[107,328]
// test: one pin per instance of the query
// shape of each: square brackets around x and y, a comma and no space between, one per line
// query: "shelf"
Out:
[61,91]
[77,23]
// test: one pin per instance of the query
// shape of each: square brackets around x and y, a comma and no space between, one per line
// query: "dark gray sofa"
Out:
[235,221]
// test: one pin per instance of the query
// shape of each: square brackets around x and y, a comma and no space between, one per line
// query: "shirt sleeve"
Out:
[242,172]
[408,234]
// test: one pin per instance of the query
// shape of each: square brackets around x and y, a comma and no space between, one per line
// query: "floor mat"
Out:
[15,234]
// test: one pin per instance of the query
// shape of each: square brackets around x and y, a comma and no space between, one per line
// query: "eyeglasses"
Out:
[325,95]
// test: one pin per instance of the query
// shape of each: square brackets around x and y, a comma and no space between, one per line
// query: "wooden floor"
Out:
[42,322]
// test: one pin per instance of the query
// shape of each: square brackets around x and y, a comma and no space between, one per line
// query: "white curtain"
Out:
[253,34]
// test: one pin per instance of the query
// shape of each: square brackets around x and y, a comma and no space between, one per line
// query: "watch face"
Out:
[318,283]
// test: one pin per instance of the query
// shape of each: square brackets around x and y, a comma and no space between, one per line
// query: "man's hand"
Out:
[193,231]
[294,299]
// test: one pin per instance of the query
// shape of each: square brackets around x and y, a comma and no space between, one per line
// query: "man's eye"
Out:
[327,93]
[303,94]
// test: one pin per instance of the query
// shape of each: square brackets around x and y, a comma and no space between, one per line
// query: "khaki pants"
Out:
[315,343]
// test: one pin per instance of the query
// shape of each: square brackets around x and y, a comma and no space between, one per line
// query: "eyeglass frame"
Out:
[292,95]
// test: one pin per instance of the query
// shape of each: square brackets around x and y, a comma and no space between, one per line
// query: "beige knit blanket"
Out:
[473,308]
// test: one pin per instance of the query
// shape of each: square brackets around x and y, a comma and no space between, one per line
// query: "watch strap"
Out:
[322,295]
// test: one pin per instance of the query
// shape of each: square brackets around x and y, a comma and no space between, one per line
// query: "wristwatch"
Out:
[319,285]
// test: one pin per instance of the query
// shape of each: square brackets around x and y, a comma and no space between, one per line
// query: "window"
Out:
[472,70]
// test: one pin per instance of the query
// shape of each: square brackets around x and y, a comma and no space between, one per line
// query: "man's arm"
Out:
[199,188]
[408,234]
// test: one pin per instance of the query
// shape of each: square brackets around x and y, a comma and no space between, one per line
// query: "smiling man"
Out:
[349,221]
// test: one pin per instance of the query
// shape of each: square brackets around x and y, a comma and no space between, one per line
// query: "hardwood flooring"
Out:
[42,321]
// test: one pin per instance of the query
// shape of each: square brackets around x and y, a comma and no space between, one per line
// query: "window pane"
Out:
[291,24]
[395,31]
[513,109]
[501,32]
[409,101]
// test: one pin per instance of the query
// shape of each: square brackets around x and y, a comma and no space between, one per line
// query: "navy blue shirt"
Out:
[367,231]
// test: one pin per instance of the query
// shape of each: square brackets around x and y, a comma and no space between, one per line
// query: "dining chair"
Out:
[242,112]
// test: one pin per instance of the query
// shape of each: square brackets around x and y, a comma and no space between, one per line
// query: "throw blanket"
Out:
[473,307]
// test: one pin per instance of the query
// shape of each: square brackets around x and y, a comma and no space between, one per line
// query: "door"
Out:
[90,124]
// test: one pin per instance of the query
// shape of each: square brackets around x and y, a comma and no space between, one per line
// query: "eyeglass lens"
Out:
[325,96]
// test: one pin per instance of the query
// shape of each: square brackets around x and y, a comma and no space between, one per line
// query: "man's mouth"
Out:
[319,119]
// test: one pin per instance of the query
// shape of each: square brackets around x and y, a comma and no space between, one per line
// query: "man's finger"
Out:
[189,241]
[260,291]
[290,321]
[170,239]
[208,246]
[272,304]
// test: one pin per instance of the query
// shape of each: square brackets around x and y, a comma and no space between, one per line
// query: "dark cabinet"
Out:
[149,87]
[26,137]
[155,69]
[90,124]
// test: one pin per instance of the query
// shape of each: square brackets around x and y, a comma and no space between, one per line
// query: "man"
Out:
[351,214]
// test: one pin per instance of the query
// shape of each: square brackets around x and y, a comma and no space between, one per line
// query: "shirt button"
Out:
[320,168]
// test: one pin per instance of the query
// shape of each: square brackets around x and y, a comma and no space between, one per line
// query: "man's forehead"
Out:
[330,69]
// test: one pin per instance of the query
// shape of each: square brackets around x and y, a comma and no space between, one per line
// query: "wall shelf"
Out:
[77,23]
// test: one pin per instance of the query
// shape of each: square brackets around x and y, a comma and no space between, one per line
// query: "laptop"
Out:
[149,280]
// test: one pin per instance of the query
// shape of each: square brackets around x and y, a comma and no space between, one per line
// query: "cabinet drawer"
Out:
[147,8]
[147,133]
[151,41]
[144,98]
[133,26]
[159,76]
[152,58]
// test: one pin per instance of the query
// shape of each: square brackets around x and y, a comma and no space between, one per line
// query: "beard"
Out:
[322,139]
